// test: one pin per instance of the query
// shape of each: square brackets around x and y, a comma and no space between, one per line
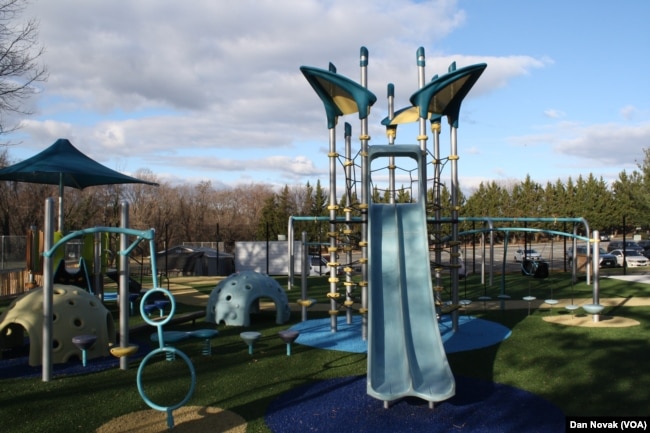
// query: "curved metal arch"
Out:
[491,229]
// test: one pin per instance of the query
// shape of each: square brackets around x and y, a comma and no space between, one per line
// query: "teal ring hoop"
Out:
[144,396]
[166,320]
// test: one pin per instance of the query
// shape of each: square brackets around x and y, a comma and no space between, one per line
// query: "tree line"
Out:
[202,213]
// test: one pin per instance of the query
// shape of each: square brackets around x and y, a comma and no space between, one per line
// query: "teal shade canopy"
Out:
[339,94]
[64,165]
[443,95]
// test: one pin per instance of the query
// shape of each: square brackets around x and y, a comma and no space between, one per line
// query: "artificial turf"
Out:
[582,371]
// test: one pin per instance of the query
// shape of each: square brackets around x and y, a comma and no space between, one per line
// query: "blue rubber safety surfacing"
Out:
[472,334]
[342,405]
[18,366]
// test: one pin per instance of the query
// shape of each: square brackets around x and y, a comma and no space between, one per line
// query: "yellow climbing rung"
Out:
[306,302]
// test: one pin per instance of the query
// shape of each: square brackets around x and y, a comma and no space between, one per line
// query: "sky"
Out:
[205,90]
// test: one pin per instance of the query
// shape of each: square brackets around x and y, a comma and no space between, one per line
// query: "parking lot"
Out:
[554,253]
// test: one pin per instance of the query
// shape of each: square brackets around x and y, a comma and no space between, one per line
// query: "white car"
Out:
[319,266]
[632,258]
[529,254]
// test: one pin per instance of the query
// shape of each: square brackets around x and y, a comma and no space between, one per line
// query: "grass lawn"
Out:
[584,371]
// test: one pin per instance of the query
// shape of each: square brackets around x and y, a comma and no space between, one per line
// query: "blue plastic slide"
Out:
[405,351]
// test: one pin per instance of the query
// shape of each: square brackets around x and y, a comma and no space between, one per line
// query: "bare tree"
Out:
[20,53]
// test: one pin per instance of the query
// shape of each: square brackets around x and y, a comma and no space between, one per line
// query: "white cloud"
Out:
[609,144]
[215,87]
[628,112]
[553,114]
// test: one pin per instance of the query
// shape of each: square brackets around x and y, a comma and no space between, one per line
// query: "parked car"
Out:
[318,266]
[633,258]
[645,244]
[604,237]
[628,246]
[529,254]
[606,260]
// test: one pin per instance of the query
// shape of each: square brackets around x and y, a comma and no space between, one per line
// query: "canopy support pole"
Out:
[60,225]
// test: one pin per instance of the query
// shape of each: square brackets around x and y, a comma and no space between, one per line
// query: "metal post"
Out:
[391,133]
[290,252]
[97,267]
[364,138]
[624,249]
[61,189]
[453,156]
[437,226]
[124,284]
[48,291]
[332,230]
[596,266]
[347,231]
[303,276]
[422,122]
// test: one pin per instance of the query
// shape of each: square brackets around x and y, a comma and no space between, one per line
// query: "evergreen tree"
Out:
[320,201]
[627,194]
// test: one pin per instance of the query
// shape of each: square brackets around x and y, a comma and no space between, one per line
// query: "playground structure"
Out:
[170,352]
[50,251]
[396,281]
[124,349]
[234,298]
[76,313]
[405,353]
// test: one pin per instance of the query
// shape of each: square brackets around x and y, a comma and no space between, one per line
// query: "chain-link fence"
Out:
[13,252]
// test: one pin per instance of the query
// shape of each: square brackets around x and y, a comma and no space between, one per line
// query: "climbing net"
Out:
[383,180]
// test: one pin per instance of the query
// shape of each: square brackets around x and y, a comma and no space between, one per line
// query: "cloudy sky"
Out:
[211,90]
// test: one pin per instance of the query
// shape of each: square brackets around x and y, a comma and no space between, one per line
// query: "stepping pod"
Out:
[250,338]
[161,305]
[170,337]
[119,352]
[529,299]
[83,343]
[206,335]
[594,310]
[288,337]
